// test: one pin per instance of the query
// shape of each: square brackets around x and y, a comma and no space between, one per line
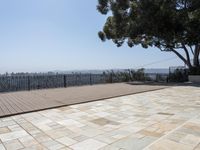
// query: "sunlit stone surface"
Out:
[163,119]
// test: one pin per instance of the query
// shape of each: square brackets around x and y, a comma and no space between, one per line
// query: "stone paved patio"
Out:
[167,119]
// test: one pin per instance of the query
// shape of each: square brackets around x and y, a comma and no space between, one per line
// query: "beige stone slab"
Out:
[66,141]
[12,135]
[2,147]
[89,144]
[28,141]
[13,145]
[169,145]
[4,130]
[52,145]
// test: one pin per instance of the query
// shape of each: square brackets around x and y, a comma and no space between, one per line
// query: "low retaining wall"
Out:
[194,78]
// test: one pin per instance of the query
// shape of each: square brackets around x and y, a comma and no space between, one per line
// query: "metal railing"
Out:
[19,83]
[33,82]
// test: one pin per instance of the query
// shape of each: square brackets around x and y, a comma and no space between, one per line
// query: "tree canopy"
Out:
[170,25]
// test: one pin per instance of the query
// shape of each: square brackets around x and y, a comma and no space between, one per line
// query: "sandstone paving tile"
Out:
[105,139]
[120,133]
[33,132]
[28,141]
[35,147]
[41,137]
[88,123]
[71,122]
[71,132]
[15,127]
[43,127]
[12,135]
[91,132]
[13,145]
[19,119]
[6,119]
[191,140]
[108,128]
[65,148]
[132,128]
[190,131]
[27,126]
[80,138]
[7,123]
[197,147]
[193,126]
[109,147]
[130,143]
[66,141]
[176,136]
[4,130]
[89,144]
[104,121]
[78,114]
[150,133]
[102,114]
[166,144]
[2,147]
[54,125]
[58,133]
[52,145]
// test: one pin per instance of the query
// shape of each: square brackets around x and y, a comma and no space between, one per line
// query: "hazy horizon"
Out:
[45,35]
[147,70]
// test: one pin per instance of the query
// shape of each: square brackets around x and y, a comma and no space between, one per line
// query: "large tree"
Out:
[169,25]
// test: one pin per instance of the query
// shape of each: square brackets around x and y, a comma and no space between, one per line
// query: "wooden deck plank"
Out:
[14,103]
[4,107]
[12,108]
[25,102]
[1,110]
[21,103]
[28,101]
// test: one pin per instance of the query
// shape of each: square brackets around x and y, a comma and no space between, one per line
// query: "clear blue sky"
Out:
[45,35]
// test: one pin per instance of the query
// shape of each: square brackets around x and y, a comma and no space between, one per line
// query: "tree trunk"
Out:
[195,70]
[196,56]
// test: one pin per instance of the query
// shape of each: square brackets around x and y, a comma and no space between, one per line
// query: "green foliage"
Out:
[160,23]
[170,25]
[138,75]
[126,76]
[179,75]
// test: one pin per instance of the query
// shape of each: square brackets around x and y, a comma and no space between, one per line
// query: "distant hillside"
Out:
[149,70]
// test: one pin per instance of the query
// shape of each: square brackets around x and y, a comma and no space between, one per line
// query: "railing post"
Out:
[29,84]
[65,85]
[76,80]
[90,79]
[111,76]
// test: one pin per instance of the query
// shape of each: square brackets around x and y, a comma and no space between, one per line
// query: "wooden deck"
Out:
[29,101]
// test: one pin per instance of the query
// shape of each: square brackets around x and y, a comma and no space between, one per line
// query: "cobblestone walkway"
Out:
[167,119]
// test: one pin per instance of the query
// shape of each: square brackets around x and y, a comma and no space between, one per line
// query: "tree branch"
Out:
[181,57]
[191,50]
[187,55]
